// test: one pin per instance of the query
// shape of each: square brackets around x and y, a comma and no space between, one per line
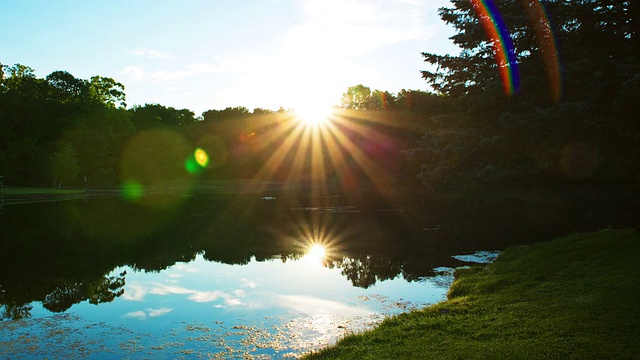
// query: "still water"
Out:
[194,309]
[206,276]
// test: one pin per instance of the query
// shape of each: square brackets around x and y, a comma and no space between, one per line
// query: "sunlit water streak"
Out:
[259,310]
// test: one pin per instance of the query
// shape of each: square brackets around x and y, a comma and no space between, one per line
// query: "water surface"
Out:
[210,276]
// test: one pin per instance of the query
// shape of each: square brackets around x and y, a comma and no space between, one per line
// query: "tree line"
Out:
[65,131]
[61,129]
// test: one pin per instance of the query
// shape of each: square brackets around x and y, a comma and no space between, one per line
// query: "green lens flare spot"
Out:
[191,166]
[131,191]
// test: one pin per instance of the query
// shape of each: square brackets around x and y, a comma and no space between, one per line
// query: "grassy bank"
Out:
[572,298]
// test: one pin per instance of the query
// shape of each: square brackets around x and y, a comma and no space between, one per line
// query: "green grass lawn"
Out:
[576,297]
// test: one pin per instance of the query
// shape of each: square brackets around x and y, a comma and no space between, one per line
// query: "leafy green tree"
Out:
[107,91]
[357,97]
[23,115]
[99,137]
[16,74]
[230,113]
[66,87]
[382,100]
[156,115]
[64,164]
[261,111]
[37,114]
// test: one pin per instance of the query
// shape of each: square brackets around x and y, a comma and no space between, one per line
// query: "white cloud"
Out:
[211,296]
[196,295]
[137,314]
[161,289]
[206,296]
[133,293]
[233,302]
[158,312]
[152,313]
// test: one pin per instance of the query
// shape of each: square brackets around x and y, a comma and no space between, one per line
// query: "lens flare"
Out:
[501,42]
[547,42]
[196,161]
[201,157]
[131,191]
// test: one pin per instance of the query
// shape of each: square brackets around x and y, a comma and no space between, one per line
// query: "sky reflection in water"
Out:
[197,308]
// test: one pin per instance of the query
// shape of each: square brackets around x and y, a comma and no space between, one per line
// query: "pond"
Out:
[237,277]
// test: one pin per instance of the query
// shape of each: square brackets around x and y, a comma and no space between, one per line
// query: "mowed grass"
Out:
[576,297]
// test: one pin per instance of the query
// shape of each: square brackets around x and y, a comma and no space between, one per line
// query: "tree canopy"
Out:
[578,67]
[60,127]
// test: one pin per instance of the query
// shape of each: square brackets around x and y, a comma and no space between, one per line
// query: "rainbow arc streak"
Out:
[547,43]
[503,48]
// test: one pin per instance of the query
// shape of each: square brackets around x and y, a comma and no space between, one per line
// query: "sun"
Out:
[312,115]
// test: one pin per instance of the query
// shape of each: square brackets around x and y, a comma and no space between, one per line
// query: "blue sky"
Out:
[206,54]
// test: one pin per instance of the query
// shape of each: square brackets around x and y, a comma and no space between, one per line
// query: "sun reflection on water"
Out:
[316,254]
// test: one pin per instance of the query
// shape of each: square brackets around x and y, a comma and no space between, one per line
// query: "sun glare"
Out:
[315,254]
[313,115]
[316,251]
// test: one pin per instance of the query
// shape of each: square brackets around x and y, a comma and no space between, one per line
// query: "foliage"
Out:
[64,164]
[155,116]
[107,91]
[357,97]
[361,98]
[578,125]
[38,115]
[550,300]
[90,118]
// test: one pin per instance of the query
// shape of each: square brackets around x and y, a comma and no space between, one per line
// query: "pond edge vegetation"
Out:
[571,298]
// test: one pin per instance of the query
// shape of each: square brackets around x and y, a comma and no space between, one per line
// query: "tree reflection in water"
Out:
[61,253]
[67,294]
